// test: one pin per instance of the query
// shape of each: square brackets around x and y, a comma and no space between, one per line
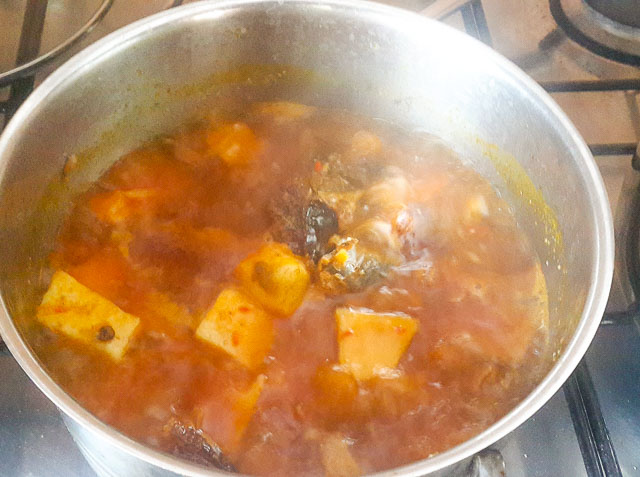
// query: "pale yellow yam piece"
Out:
[371,343]
[235,143]
[336,457]
[238,326]
[245,405]
[284,111]
[118,206]
[74,310]
[275,277]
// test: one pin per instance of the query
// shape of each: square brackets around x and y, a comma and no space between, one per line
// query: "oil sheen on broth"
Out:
[287,290]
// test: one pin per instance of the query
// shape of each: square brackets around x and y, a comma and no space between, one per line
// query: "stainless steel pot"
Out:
[369,58]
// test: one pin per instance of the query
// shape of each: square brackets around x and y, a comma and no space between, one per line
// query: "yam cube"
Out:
[370,343]
[238,326]
[226,417]
[236,144]
[120,205]
[74,310]
[336,390]
[391,397]
[245,405]
[275,277]
[336,457]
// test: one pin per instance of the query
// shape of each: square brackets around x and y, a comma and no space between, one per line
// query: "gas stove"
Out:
[586,53]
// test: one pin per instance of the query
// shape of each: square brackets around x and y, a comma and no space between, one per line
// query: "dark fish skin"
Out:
[321,223]
[191,444]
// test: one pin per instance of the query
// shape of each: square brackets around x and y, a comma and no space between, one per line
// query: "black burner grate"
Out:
[19,81]
[27,60]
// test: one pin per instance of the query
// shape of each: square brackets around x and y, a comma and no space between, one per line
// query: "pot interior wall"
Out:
[419,75]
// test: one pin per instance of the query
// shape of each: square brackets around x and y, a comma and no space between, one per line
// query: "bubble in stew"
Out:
[294,291]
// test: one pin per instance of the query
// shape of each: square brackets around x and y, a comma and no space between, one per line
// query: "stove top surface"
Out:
[591,427]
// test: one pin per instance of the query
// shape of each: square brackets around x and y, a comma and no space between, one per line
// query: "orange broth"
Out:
[162,231]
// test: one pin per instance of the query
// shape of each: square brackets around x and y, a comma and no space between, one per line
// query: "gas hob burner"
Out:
[36,33]
[609,28]
[26,24]
[37,36]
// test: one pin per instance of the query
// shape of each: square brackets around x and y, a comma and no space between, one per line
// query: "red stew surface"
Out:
[284,220]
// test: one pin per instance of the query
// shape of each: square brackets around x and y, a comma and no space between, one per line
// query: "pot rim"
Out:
[601,274]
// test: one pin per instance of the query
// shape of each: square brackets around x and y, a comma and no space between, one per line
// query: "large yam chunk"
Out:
[336,457]
[74,310]
[226,420]
[370,343]
[275,277]
[239,327]
[245,406]
[236,144]
[336,390]
[114,207]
